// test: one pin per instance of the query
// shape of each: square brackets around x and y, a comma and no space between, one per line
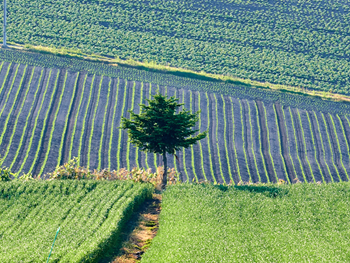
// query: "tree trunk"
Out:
[165,175]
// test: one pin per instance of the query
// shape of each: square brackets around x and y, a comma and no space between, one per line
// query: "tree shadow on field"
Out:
[268,191]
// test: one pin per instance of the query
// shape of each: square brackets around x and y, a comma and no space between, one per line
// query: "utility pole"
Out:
[4,43]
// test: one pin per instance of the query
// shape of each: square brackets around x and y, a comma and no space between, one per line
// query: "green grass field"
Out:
[288,223]
[90,215]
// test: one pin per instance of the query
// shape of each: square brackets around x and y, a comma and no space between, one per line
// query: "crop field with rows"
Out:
[301,43]
[50,115]
[90,214]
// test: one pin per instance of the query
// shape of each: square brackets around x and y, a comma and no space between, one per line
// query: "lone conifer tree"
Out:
[159,129]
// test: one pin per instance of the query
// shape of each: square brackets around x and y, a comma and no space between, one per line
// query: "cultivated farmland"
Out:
[270,223]
[300,43]
[90,214]
[49,115]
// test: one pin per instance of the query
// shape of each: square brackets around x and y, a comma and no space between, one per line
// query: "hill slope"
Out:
[51,114]
[300,43]
[294,223]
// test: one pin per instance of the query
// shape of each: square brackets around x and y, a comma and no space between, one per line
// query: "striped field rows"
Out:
[48,116]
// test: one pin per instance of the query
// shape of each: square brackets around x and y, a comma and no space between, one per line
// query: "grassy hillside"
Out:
[90,215]
[300,43]
[49,115]
[296,223]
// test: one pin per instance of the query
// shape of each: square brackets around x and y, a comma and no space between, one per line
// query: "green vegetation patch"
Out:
[90,215]
[287,223]
[300,43]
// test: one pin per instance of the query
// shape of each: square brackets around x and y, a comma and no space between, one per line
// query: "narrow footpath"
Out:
[139,232]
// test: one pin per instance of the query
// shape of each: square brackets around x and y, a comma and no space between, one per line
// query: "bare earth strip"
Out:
[334,135]
[310,147]
[98,123]
[20,147]
[249,143]
[58,126]
[196,148]
[255,129]
[327,150]
[115,163]
[301,146]
[122,137]
[13,121]
[275,142]
[213,140]
[239,144]
[265,142]
[79,95]
[10,91]
[284,137]
[111,124]
[15,102]
[37,110]
[50,125]
[85,133]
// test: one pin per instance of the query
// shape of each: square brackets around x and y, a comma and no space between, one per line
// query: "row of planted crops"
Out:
[89,214]
[50,115]
[303,43]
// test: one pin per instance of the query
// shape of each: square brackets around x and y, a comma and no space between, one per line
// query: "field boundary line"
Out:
[154,67]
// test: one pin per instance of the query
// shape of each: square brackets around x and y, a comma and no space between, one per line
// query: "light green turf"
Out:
[289,223]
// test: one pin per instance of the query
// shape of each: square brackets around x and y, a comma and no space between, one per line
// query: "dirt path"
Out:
[138,233]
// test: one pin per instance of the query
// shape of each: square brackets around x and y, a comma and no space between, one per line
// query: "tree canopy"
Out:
[161,128]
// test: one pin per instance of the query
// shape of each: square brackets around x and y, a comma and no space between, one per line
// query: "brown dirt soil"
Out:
[139,231]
